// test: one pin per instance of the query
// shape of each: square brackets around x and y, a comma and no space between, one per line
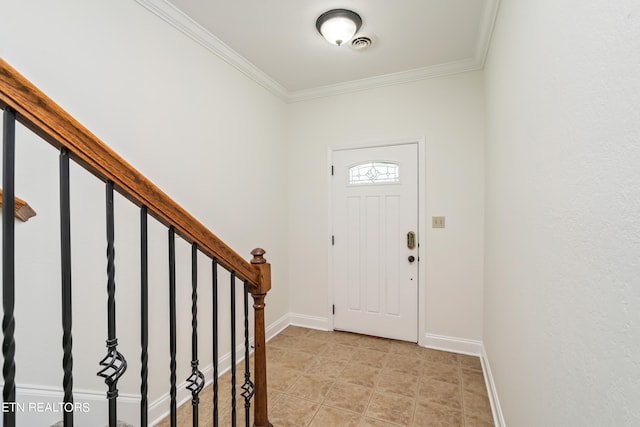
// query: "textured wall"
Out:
[562,269]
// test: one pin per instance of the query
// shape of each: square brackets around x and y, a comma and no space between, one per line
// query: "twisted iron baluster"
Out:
[214,268]
[114,364]
[233,349]
[8,265]
[172,325]
[196,379]
[247,387]
[65,261]
[144,316]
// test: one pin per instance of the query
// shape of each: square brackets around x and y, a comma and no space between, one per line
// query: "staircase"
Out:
[23,104]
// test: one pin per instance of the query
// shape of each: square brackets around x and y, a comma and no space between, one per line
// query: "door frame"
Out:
[422,224]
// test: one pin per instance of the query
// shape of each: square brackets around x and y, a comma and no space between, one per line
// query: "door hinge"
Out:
[333,240]
[334,309]
[331,170]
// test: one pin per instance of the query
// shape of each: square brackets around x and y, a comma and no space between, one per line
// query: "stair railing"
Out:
[24,103]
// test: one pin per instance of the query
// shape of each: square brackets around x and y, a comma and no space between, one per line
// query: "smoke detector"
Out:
[360,43]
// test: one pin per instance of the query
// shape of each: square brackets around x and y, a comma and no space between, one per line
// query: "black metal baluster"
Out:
[172,323]
[114,364]
[233,349]
[247,387]
[8,267]
[144,316]
[196,379]
[65,243]
[214,267]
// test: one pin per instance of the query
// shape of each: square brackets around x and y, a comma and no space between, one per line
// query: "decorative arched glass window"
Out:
[374,173]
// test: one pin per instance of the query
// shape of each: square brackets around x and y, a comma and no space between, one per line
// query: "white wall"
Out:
[210,137]
[562,289]
[447,111]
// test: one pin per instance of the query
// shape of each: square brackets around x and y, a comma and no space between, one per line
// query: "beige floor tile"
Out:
[442,393]
[337,351]
[296,360]
[373,358]
[476,405]
[295,331]
[441,372]
[206,399]
[402,384]
[470,362]
[275,354]
[332,417]
[225,418]
[311,345]
[281,378]
[434,415]
[363,375]
[391,408]
[347,338]
[351,397]
[375,343]
[326,367]
[403,365]
[291,411]
[407,349]
[325,336]
[475,421]
[370,422]
[311,387]
[473,381]
[439,356]
[273,396]
[284,341]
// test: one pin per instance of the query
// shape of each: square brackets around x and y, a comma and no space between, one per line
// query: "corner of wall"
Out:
[496,410]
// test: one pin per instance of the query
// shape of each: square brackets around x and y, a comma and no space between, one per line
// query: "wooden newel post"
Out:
[260,410]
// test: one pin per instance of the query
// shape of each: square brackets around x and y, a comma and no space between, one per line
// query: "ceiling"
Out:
[276,42]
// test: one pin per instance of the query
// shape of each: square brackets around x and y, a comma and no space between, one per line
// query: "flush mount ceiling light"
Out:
[338,25]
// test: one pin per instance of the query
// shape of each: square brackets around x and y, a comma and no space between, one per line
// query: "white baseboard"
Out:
[496,409]
[278,326]
[474,348]
[311,322]
[452,344]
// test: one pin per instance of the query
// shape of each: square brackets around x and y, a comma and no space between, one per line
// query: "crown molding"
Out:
[487,24]
[183,23]
[385,80]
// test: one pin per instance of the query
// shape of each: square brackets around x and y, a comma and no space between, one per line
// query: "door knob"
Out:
[411,258]
[411,240]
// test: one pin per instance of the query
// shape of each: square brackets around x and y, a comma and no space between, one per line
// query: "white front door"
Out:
[375,240]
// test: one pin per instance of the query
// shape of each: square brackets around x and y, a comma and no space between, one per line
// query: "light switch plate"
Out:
[437,222]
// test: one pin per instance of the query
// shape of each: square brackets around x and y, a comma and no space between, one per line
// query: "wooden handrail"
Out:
[47,119]
[22,209]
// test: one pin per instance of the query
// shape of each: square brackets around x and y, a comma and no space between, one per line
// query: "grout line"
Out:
[460,381]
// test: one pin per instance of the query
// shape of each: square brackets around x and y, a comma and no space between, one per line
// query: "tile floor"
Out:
[333,379]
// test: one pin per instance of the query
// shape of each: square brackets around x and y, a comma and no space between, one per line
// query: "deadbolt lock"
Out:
[411,240]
